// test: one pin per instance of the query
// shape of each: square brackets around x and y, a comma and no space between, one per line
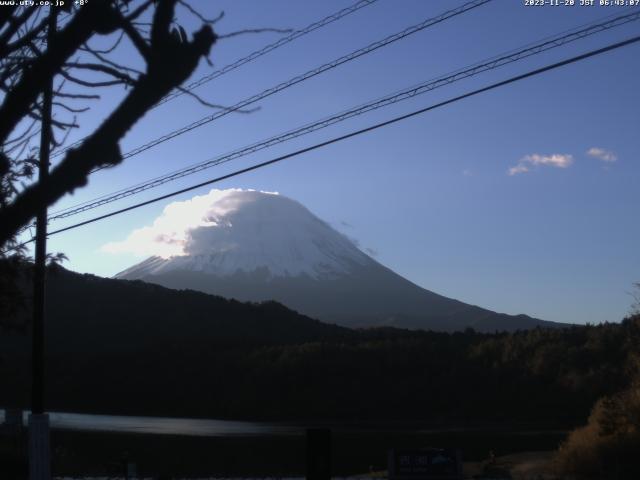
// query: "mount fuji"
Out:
[257,246]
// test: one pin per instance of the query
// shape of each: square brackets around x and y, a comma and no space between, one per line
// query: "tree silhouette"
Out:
[635,306]
[28,63]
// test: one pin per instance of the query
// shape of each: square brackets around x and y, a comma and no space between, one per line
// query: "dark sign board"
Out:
[425,464]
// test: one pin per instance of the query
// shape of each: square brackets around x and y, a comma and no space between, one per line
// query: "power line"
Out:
[494,62]
[251,57]
[268,48]
[305,76]
[386,123]
[498,61]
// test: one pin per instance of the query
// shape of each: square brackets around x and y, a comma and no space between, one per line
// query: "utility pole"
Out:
[39,443]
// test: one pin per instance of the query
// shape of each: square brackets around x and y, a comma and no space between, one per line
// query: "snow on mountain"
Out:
[247,230]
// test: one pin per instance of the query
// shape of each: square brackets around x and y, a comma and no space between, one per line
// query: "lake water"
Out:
[164,425]
[229,428]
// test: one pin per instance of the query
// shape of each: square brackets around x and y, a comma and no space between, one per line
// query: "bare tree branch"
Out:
[5,14]
[87,83]
[199,16]
[14,25]
[140,43]
[96,67]
[255,30]
[32,124]
[64,138]
[105,60]
[170,63]
[31,35]
[17,102]
[81,96]
[214,105]
[139,11]
[109,49]
[70,109]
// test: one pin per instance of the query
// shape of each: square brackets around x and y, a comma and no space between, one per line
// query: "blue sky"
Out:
[432,196]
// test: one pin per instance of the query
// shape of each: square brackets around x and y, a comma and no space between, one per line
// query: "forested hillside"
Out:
[128,347]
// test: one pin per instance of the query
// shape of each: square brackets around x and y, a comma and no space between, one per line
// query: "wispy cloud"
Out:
[557,160]
[467,172]
[602,154]
[518,169]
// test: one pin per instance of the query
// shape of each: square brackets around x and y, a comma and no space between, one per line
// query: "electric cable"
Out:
[303,77]
[460,74]
[376,126]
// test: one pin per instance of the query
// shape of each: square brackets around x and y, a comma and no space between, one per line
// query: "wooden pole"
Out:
[39,442]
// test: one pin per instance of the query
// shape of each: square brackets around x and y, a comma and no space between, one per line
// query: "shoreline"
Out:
[79,454]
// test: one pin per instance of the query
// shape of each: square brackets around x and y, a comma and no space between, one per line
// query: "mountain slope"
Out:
[91,314]
[255,246]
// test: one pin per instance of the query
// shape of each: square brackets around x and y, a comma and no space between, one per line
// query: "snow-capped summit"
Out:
[246,230]
[257,246]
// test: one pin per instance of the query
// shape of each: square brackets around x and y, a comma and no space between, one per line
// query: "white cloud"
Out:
[602,154]
[557,160]
[170,232]
[518,169]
